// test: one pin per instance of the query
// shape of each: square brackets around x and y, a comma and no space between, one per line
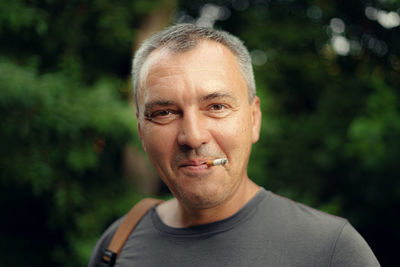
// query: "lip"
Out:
[195,168]
[194,163]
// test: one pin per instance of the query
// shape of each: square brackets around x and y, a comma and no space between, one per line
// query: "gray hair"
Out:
[184,37]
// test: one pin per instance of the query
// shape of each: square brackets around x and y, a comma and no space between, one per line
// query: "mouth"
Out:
[200,167]
[195,164]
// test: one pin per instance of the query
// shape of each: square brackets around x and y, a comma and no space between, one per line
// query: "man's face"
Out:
[194,107]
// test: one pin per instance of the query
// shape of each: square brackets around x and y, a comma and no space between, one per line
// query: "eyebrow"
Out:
[218,95]
[157,103]
[167,103]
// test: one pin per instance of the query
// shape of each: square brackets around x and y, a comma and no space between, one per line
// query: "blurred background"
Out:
[327,73]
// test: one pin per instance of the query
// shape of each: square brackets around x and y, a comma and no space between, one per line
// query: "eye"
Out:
[217,107]
[161,113]
[218,110]
[162,116]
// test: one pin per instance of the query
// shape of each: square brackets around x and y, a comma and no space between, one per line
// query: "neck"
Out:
[178,215]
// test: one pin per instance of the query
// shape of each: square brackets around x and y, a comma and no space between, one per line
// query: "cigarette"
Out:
[221,161]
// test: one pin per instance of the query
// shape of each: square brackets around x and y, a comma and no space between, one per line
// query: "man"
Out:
[196,102]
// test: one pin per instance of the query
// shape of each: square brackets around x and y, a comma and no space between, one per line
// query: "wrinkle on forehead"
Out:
[163,55]
[161,52]
[164,64]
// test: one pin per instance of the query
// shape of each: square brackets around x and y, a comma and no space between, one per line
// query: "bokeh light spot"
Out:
[337,25]
[258,57]
[314,12]
[340,45]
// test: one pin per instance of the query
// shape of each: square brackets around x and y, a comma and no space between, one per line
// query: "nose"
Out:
[193,132]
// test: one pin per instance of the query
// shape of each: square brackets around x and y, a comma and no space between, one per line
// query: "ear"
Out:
[140,130]
[256,119]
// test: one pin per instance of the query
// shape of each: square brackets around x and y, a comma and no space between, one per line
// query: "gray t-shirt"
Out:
[268,231]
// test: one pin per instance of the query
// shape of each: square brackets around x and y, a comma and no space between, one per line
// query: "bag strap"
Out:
[128,224]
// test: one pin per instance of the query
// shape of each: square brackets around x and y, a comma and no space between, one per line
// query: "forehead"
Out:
[209,64]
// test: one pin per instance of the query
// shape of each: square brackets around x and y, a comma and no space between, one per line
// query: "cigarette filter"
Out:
[221,161]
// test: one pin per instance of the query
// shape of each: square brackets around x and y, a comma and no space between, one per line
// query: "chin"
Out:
[203,198]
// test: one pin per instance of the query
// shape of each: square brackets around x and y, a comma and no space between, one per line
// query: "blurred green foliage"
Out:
[330,133]
[60,164]
[65,122]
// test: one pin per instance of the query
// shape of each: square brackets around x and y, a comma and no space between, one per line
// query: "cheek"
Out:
[234,136]
[158,141]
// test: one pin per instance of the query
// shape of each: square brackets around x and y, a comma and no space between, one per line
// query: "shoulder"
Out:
[330,236]
[352,250]
[103,243]
[292,213]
